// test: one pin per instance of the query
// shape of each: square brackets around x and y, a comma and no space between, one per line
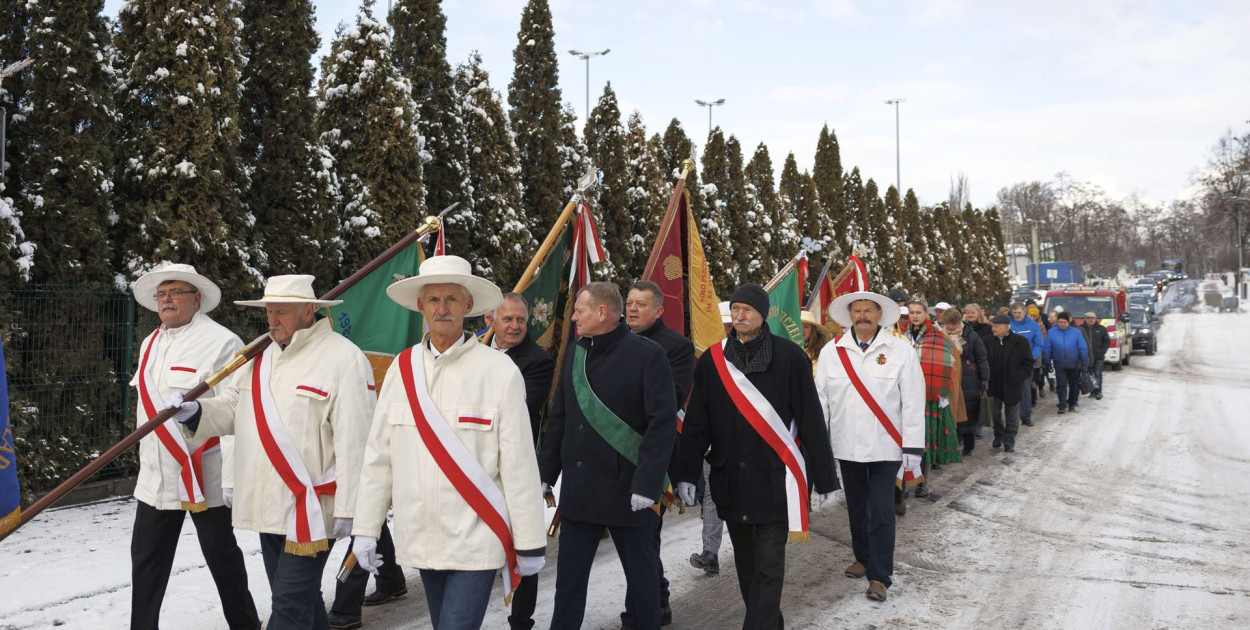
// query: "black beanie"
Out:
[752,295]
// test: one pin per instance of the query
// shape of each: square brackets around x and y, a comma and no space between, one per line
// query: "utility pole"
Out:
[898,177]
[709,105]
[585,56]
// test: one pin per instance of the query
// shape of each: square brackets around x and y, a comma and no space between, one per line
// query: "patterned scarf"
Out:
[937,360]
[752,356]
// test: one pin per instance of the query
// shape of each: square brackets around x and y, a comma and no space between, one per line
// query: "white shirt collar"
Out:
[429,344]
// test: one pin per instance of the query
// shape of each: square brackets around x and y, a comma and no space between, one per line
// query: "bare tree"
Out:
[960,194]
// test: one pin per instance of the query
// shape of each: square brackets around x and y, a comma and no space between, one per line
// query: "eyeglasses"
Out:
[172,294]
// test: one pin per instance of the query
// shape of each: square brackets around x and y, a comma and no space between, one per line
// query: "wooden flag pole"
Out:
[241,358]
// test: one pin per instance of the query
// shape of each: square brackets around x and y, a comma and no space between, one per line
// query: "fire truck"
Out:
[1111,308]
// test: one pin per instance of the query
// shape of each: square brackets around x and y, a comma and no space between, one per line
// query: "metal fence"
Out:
[70,354]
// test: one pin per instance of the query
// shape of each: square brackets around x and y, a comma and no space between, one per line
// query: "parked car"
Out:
[1143,327]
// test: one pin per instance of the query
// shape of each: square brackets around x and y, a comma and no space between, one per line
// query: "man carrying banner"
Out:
[754,402]
[873,392]
[178,475]
[611,432]
[644,310]
[450,448]
[509,321]
[300,414]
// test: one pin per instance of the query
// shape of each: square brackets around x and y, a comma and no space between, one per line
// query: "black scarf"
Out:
[752,356]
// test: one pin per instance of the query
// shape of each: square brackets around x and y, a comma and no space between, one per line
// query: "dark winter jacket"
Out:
[1031,332]
[976,368]
[748,478]
[1011,364]
[538,369]
[630,374]
[1099,341]
[985,331]
[680,352]
[1065,347]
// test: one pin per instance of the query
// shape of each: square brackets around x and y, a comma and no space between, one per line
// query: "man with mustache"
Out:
[177,475]
[300,413]
[753,402]
[873,392]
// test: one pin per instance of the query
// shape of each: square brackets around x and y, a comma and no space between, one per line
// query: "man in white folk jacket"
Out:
[178,475]
[300,414]
[451,449]
[872,389]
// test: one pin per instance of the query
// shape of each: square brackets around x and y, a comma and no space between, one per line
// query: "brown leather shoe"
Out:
[877,591]
[856,570]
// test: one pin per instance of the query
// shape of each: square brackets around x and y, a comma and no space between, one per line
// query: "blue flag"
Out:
[10,492]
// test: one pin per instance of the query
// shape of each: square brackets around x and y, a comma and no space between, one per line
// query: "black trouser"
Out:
[869,488]
[627,617]
[524,601]
[640,558]
[1069,388]
[152,547]
[760,557]
[1006,420]
[295,582]
[349,595]
[968,430]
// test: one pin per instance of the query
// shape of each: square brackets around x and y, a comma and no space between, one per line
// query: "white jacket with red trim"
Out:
[322,387]
[854,430]
[184,357]
[481,394]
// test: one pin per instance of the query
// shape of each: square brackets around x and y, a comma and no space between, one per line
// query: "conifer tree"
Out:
[16,254]
[420,51]
[605,145]
[574,157]
[743,224]
[294,192]
[368,121]
[916,230]
[66,196]
[997,285]
[502,244]
[779,228]
[875,241]
[677,148]
[648,192]
[894,256]
[828,177]
[941,256]
[537,119]
[181,180]
[714,226]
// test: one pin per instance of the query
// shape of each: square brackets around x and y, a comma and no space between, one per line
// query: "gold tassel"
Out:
[550,499]
[194,507]
[656,508]
[308,549]
[507,599]
[798,537]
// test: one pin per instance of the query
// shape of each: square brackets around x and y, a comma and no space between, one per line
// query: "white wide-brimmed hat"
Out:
[292,289]
[725,316]
[146,286]
[808,317]
[447,270]
[839,310]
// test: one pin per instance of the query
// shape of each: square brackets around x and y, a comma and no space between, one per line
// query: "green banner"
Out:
[370,319]
[547,295]
[783,311]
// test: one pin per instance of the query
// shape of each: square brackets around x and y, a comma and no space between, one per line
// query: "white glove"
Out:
[227,495]
[546,489]
[342,528]
[911,462]
[365,548]
[186,411]
[685,492]
[638,502]
[825,499]
[174,400]
[530,565]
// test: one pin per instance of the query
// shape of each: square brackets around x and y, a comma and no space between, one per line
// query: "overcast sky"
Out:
[1126,94]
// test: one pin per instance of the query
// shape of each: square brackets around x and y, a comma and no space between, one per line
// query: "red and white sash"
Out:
[306,526]
[886,415]
[191,475]
[762,417]
[460,467]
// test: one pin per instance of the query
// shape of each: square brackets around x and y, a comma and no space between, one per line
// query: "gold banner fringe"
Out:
[898,483]
[798,537]
[308,549]
[9,521]
[194,508]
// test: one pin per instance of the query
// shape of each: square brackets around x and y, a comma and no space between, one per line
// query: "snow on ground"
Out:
[1128,514]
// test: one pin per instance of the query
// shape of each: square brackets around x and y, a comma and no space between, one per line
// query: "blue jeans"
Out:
[1096,372]
[296,585]
[1026,401]
[457,599]
[1068,387]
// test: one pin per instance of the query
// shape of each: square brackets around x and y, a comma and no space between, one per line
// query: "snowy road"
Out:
[1129,514]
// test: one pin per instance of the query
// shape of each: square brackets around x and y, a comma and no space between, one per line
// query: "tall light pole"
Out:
[585,56]
[709,105]
[898,177]
[9,71]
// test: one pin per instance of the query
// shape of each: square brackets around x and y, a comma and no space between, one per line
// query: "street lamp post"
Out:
[898,178]
[1238,199]
[709,105]
[585,56]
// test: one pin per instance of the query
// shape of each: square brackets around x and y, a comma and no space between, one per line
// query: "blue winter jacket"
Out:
[1030,331]
[1066,348]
